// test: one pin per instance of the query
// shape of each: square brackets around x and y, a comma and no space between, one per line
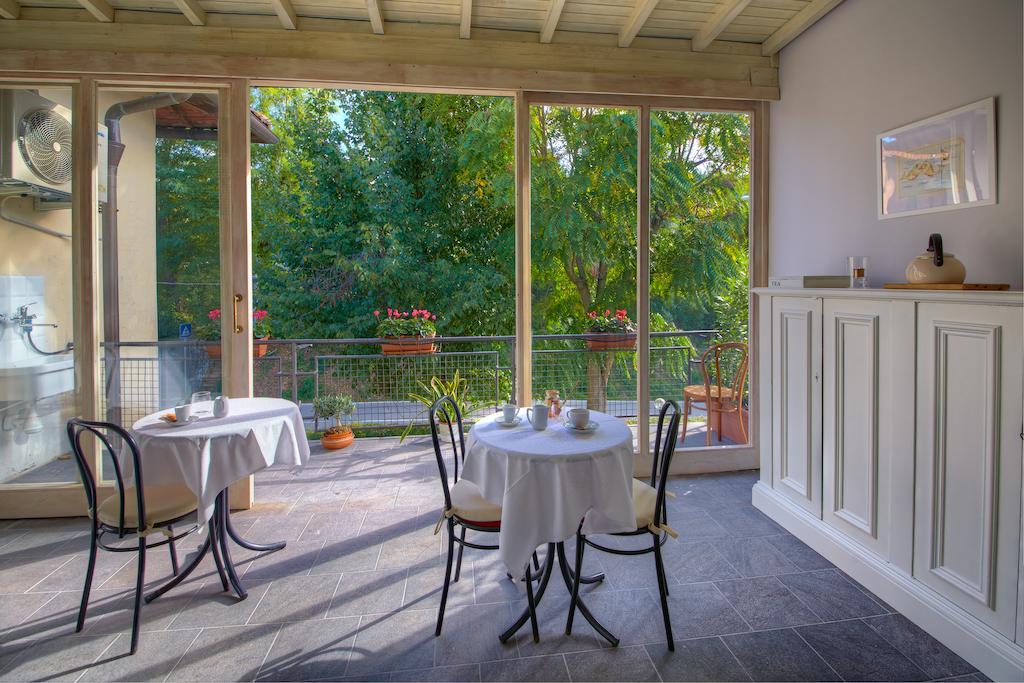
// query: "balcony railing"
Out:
[142,377]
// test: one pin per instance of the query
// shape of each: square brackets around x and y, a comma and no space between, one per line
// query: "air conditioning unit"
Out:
[35,149]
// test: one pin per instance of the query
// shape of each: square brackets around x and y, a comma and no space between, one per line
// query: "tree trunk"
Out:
[599,367]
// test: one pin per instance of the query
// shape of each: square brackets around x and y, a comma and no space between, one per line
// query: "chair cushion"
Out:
[163,504]
[645,499]
[698,391]
[469,505]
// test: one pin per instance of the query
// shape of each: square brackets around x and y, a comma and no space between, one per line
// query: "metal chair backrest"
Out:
[727,360]
[665,439]
[103,431]
[445,415]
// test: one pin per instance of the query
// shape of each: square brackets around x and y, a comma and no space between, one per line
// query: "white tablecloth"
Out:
[211,453]
[546,482]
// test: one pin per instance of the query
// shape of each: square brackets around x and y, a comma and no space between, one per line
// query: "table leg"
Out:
[219,530]
[556,552]
[207,545]
[549,564]
[248,545]
[591,619]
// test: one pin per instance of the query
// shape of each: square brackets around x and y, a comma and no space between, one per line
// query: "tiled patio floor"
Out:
[354,597]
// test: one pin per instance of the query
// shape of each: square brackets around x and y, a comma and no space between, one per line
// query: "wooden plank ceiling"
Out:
[769,23]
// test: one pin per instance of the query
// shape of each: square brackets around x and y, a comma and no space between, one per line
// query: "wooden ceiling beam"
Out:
[285,14]
[376,18]
[9,9]
[800,22]
[466,20]
[718,22]
[547,31]
[192,11]
[100,9]
[636,21]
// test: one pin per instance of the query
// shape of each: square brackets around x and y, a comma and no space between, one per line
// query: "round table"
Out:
[208,455]
[548,482]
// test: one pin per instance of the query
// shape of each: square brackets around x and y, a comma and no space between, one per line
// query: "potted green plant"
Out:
[457,388]
[260,331]
[407,333]
[337,408]
[610,332]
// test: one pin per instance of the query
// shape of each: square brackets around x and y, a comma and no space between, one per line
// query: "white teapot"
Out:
[933,267]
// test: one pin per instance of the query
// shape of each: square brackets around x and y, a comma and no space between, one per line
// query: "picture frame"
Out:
[941,163]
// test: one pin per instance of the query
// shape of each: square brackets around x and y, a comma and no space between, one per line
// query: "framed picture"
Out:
[940,163]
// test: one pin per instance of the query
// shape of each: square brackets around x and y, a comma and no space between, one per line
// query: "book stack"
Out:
[808,281]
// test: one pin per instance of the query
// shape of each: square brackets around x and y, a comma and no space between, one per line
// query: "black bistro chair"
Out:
[464,506]
[133,509]
[651,515]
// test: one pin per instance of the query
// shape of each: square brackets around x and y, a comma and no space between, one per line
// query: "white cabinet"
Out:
[893,425]
[967,521]
[858,403]
[796,400]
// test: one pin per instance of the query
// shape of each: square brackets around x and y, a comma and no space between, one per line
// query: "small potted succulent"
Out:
[406,333]
[610,332]
[337,408]
[260,331]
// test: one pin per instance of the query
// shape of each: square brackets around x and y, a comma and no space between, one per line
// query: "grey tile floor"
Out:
[354,597]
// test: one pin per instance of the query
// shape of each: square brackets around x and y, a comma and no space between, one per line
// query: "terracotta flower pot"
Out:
[333,442]
[260,350]
[610,342]
[213,351]
[408,345]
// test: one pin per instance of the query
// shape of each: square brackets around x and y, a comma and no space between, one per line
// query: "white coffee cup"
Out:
[579,417]
[508,412]
[538,416]
[183,412]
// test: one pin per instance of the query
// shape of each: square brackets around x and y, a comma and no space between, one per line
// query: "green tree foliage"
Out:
[377,199]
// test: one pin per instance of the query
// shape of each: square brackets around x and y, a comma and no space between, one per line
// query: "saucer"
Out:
[591,426]
[175,423]
[514,423]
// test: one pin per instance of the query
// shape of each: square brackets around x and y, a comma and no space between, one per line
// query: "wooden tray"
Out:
[967,286]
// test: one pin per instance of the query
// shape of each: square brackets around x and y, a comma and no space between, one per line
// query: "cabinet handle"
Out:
[234,310]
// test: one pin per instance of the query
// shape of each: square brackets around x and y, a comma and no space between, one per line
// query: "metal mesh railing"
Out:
[143,377]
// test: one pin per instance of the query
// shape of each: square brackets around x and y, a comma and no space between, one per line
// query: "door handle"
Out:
[237,299]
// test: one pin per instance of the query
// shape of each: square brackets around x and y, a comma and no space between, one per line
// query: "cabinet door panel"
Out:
[967,527]
[796,399]
[856,400]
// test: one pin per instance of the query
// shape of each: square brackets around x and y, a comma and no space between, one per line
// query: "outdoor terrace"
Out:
[354,596]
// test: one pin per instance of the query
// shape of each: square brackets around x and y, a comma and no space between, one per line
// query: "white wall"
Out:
[869,66]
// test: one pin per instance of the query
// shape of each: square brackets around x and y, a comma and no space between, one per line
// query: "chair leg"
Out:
[90,570]
[140,582]
[743,423]
[536,562]
[718,425]
[711,420]
[458,563]
[686,418]
[663,591]
[447,576]
[217,559]
[577,572]
[174,551]
[532,604]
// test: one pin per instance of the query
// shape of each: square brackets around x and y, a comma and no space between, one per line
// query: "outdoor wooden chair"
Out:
[728,361]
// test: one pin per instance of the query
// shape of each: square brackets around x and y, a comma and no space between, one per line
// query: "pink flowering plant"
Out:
[260,323]
[394,322]
[609,323]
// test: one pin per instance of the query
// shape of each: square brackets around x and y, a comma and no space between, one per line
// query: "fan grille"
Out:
[44,138]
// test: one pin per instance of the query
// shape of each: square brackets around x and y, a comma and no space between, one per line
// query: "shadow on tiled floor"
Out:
[354,597]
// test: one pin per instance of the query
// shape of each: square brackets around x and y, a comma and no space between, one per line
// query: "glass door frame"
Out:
[67,498]
[757,226]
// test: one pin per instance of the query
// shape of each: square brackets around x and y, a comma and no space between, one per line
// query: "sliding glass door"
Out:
[583,173]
